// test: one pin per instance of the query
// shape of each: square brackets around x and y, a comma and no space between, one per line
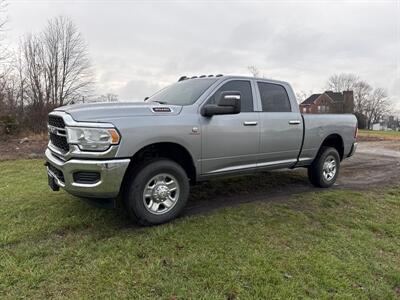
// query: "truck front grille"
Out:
[57,132]
[56,121]
[59,141]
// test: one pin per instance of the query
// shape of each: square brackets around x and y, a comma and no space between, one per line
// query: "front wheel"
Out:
[157,192]
[324,170]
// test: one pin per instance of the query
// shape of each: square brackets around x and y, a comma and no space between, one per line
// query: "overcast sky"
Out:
[136,47]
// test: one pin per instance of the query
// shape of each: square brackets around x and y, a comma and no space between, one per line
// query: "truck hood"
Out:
[97,112]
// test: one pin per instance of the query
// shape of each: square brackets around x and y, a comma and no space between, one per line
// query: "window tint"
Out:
[274,97]
[242,86]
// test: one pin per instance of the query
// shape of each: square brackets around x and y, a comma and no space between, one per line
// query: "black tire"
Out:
[134,195]
[316,170]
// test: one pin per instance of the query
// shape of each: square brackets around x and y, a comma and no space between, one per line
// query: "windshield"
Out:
[184,92]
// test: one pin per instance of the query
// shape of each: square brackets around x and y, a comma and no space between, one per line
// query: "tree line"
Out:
[370,104]
[47,69]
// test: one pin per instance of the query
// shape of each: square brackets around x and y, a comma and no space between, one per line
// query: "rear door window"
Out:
[274,97]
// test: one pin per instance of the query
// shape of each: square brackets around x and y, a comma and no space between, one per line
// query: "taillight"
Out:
[356,132]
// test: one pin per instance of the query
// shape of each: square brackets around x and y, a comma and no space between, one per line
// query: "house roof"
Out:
[336,97]
[311,99]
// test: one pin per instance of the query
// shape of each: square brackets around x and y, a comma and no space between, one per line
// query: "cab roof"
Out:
[224,77]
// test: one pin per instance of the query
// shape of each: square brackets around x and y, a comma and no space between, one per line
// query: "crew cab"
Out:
[148,154]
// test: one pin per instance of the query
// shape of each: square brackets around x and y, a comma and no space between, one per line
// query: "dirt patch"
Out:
[370,138]
[388,148]
[23,147]
[370,170]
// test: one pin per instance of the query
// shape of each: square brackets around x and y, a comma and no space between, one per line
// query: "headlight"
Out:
[92,139]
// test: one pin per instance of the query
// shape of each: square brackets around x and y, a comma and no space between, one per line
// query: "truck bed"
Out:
[317,127]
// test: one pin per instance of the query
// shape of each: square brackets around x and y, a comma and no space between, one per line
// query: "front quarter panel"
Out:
[139,132]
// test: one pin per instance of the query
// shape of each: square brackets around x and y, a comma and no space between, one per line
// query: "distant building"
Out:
[329,102]
[387,123]
[379,126]
[393,123]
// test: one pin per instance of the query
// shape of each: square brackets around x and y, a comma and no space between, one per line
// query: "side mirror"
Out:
[228,103]
[146,98]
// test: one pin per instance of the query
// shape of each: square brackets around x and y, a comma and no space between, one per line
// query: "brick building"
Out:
[329,102]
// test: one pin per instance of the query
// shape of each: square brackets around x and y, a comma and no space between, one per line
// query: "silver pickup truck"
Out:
[148,154]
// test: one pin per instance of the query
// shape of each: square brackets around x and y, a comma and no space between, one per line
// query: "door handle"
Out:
[294,122]
[250,123]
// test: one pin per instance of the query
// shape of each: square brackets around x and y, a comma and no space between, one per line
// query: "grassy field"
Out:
[380,135]
[332,244]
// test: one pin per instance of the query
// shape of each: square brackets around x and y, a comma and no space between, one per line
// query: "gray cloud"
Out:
[139,88]
[138,46]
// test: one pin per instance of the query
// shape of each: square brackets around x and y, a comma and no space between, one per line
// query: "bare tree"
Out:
[6,103]
[8,100]
[56,68]
[19,69]
[67,61]
[341,82]
[302,95]
[253,71]
[34,61]
[57,63]
[49,69]
[109,97]
[362,91]
[377,106]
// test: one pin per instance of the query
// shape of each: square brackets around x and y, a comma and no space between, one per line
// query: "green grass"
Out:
[385,135]
[333,244]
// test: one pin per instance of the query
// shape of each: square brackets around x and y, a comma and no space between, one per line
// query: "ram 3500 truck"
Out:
[148,154]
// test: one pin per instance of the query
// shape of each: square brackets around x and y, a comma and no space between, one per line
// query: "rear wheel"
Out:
[324,171]
[157,193]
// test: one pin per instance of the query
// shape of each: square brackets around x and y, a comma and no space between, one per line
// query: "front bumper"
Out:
[108,186]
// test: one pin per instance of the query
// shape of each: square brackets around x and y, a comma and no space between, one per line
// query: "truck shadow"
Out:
[359,172]
[266,186]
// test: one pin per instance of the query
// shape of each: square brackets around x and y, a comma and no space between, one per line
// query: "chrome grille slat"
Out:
[56,121]
[57,133]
